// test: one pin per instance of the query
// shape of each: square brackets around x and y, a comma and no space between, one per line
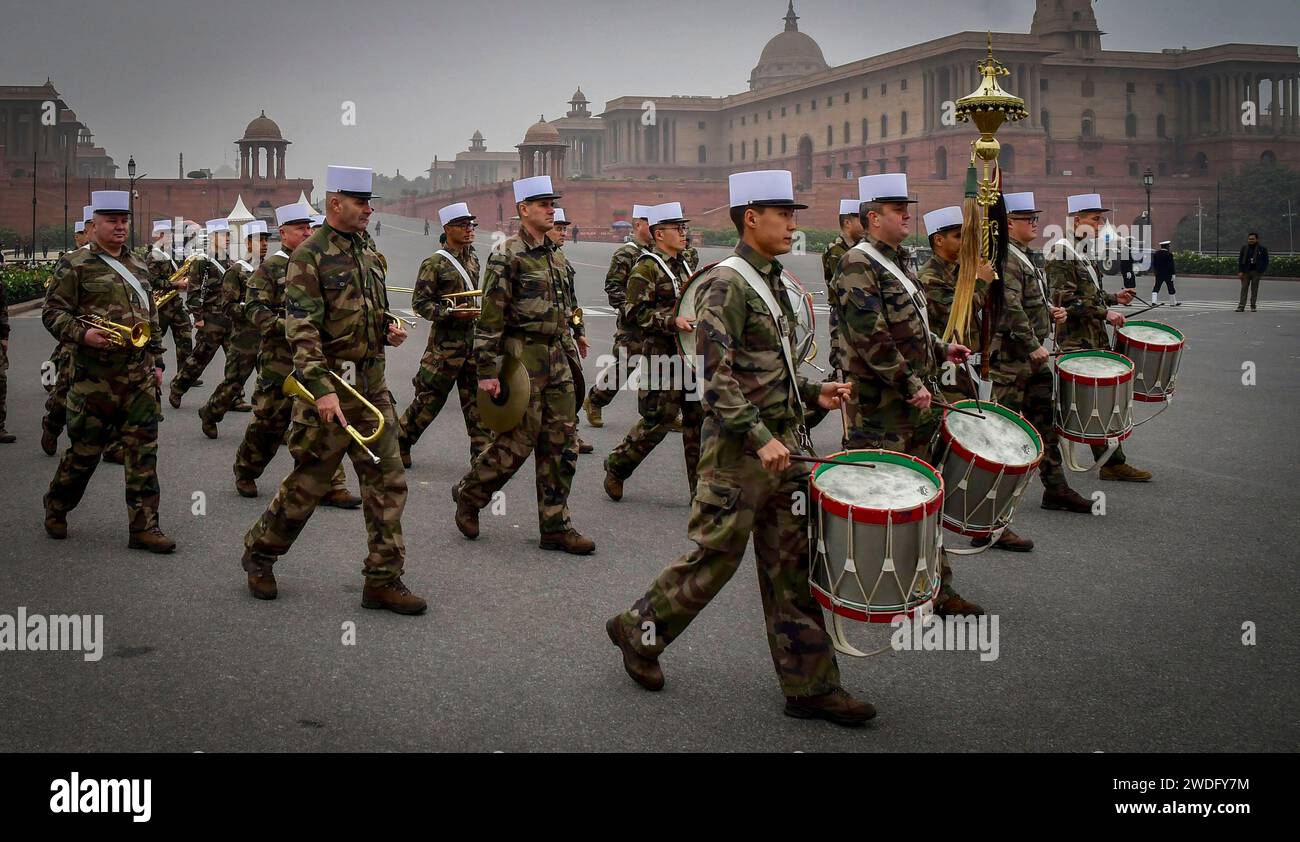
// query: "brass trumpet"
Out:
[464,311]
[402,319]
[160,300]
[184,268]
[294,389]
[120,335]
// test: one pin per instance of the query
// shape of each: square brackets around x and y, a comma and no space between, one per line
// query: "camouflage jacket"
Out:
[831,258]
[436,278]
[83,285]
[4,313]
[335,303]
[939,278]
[161,268]
[691,257]
[882,336]
[620,266]
[745,382]
[652,301]
[205,290]
[576,327]
[1073,287]
[1025,322]
[524,294]
[264,301]
[234,291]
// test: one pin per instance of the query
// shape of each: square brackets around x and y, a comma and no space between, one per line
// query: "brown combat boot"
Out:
[1009,541]
[952,604]
[836,706]
[643,669]
[241,405]
[585,446]
[341,498]
[208,426]
[404,449]
[1066,500]
[174,398]
[56,525]
[261,578]
[613,486]
[49,443]
[152,540]
[1124,473]
[393,596]
[246,487]
[570,541]
[593,413]
[675,425]
[466,515]
[7,437]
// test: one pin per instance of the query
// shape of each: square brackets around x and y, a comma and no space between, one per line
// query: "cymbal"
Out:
[504,412]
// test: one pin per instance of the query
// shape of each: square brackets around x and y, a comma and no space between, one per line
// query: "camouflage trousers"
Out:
[318,450]
[603,396]
[445,366]
[548,431]
[659,407]
[4,386]
[56,415]
[241,359]
[105,400]
[1029,392]
[272,416]
[173,316]
[737,498]
[212,336]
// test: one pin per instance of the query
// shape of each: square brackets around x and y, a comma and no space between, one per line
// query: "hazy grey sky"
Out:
[154,78]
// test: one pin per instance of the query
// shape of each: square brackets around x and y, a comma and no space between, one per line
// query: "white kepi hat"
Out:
[668,212]
[884,187]
[942,219]
[849,207]
[296,212]
[1020,203]
[79,227]
[350,181]
[255,228]
[216,225]
[1084,202]
[763,188]
[641,211]
[318,220]
[535,187]
[560,218]
[453,212]
[87,211]
[162,225]
[110,201]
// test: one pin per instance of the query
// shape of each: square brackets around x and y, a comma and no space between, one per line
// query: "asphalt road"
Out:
[1117,633]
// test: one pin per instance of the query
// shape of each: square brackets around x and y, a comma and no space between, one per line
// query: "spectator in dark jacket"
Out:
[1162,266]
[1252,263]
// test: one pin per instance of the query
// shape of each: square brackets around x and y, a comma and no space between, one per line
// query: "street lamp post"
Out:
[1290,220]
[132,179]
[1148,179]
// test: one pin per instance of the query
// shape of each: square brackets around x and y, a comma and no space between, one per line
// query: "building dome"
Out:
[789,55]
[262,128]
[542,132]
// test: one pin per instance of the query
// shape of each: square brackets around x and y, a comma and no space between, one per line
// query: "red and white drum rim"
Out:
[870,514]
[988,464]
[884,615]
[1086,380]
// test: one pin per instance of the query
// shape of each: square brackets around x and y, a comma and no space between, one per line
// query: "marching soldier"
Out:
[1075,284]
[892,352]
[1020,368]
[115,379]
[577,349]
[626,342]
[939,278]
[448,361]
[55,417]
[653,289]
[205,305]
[243,339]
[172,315]
[336,315]
[5,436]
[850,235]
[747,482]
[525,316]
[272,409]
[691,255]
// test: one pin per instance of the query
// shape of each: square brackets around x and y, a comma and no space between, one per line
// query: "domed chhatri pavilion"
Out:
[542,152]
[262,150]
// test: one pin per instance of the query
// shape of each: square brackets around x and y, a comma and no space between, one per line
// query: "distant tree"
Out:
[1252,200]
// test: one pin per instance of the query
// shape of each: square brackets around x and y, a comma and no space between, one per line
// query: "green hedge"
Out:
[23,284]
[1192,263]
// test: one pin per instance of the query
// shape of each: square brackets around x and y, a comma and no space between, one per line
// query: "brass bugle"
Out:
[119,335]
[402,319]
[160,300]
[407,290]
[455,296]
[184,269]
[294,389]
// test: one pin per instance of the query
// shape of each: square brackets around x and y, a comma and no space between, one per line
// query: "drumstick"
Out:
[1143,310]
[1075,351]
[816,460]
[952,408]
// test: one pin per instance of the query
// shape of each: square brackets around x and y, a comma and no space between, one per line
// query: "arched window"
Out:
[1087,123]
[805,163]
[1046,119]
[902,127]
[1131,126]
[702,153]
[830,136]
[1160,125]
[865,123]
[941,162]
[1268,158]
[731,152]
[846,132]
[783,149]
[884,125]
[769,146]
[1007,159]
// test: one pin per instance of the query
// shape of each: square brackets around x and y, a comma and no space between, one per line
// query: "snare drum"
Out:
[1156,350]
[874,541]
[804,347]
[1093,403]
[986,465]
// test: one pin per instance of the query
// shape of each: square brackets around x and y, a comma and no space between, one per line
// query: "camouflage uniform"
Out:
[626,336]
[272,409]
[939,280]
[651,307]
[172,315]
[110,389]
[1075,283]
[1025,326]
[204,304]
[447,362]
[4,357]
[241,342]
[526,316]
[56,416]
[749,400]
[830,264]
[335,306]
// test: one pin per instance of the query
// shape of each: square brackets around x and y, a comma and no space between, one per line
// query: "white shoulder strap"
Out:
[1087,263]
[248,267]
[131,280]
[1029,264]
[162,255]
[918,300]
[760,286]
[677,282]
[469,284]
